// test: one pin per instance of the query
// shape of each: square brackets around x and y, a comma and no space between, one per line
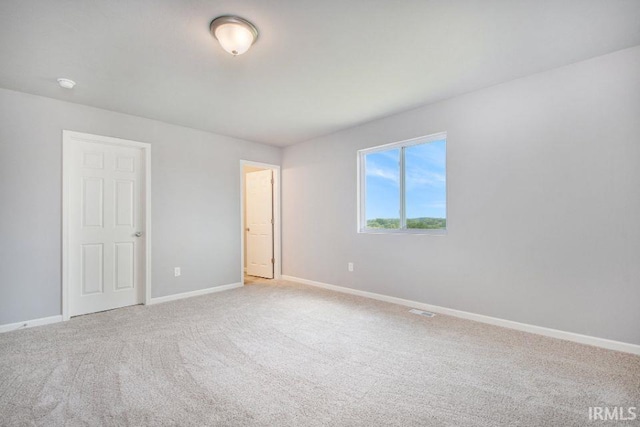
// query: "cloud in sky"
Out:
[384,173]
[436,205]
[417,174]
[432,154]
[420,177]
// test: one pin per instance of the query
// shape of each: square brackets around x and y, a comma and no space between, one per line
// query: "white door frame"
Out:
[277,242]
[68,137]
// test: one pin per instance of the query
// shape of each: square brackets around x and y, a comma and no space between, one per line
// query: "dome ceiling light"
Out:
[235,34]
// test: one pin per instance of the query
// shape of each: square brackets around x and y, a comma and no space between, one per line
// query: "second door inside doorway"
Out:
[259,258]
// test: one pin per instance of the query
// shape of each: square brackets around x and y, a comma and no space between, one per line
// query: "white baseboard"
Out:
[30,323]
[182,295]
[548,332]
[55,319]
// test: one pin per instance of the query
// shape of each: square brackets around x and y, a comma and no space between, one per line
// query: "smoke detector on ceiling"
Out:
[66,83]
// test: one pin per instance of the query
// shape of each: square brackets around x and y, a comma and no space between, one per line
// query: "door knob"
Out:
[138,233]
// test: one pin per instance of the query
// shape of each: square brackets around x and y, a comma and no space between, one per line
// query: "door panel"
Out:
[105,205]
[124,203]
[92,265]
[92,199]
[125,265]
[259,189]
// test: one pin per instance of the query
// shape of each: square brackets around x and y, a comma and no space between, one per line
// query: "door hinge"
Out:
[273,260]
[271,181]
[271,220]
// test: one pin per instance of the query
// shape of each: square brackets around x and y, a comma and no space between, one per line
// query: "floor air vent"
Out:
[421,313]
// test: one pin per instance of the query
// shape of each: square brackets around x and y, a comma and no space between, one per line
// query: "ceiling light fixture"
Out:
[66,83]
[236,35]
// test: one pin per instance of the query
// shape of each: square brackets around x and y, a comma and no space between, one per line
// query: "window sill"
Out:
[415,231]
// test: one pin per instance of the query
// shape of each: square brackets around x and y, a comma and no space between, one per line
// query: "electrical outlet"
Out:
[350,267]
[176,272]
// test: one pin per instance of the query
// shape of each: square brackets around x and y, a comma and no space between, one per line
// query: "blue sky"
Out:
[425,182]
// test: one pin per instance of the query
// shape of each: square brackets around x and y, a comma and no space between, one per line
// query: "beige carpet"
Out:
[289,355]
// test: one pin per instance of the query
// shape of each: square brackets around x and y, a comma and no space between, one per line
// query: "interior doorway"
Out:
[260,221]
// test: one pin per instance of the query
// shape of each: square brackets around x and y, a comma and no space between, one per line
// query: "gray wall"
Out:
[544,203]
[195,197]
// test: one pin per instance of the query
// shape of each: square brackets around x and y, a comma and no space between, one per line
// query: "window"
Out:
[403,187]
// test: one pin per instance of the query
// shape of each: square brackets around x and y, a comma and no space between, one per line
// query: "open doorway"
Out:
[260,222]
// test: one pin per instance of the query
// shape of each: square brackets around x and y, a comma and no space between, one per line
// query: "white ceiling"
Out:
[318,66]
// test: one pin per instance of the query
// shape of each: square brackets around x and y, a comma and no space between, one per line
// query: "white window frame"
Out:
[362,182]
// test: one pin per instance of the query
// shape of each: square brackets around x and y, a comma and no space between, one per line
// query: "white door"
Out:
[259,188]
[105,225]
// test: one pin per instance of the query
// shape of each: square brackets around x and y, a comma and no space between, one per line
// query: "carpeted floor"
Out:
[284,354]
